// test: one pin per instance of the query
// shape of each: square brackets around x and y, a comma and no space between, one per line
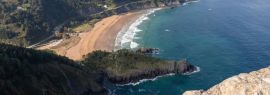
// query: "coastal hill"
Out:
[32,72]
[26,22]
[126,66]
[25,71]
[253,83]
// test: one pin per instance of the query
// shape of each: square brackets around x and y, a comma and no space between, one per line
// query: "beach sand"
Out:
[101,37]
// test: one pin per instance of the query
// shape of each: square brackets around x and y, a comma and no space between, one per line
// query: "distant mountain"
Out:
[24,22]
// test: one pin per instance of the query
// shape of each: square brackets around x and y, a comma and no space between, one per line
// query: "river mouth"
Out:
[222,37]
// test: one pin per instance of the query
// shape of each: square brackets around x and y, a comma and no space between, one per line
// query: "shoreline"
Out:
[102,37]
[109,34]
[157,77]
[128,33]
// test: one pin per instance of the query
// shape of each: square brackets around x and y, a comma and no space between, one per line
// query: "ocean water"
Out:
[222,37]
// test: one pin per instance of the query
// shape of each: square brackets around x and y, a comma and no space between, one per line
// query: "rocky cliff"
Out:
[151,72]
[125,66]
[253,83]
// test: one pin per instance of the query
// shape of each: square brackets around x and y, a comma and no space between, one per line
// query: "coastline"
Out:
[101,37]
[157,77]
[110,34]
[104,35]
[128,33]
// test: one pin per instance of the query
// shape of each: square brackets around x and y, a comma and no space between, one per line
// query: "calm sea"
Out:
[222,37]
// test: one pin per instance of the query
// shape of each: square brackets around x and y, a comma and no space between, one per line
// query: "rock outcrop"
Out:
[125,66]
[254,83]
[152,72]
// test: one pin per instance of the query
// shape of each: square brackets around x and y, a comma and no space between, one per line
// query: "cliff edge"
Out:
[127,66]
[253,83]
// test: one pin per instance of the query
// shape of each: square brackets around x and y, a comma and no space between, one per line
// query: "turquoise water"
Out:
[222,37]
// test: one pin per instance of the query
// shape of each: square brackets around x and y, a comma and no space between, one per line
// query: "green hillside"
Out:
[30,72]
[25,22]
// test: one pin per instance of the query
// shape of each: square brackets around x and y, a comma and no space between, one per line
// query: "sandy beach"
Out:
[101,37]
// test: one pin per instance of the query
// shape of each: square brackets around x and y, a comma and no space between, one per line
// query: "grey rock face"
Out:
[253,83]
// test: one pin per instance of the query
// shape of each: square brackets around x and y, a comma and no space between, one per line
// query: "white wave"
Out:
[137,30]
[198,69]
[136,38]
[134,45]
[194,1]
[145,80]
[153,79]
[184,4]
[167,30]
[127,35]
[145,18]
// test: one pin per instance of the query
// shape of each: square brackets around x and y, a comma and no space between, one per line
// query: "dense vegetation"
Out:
[125,66]
[24,22]
[30,72]
[121,62]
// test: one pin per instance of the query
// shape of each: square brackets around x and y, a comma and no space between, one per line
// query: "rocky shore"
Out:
[253,83]
[180,67]
[127,66]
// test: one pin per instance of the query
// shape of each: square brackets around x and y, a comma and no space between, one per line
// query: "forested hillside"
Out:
[24,22]
[30,72]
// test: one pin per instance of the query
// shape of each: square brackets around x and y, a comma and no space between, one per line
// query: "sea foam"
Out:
[145,80]
[198,69]
[190,2]
[125,38]
[153,79]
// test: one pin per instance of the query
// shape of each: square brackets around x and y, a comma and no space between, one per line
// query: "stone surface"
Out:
[253,83]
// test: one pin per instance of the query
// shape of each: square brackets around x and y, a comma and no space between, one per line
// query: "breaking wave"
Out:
[145,80]
[125,38]
[198,69]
